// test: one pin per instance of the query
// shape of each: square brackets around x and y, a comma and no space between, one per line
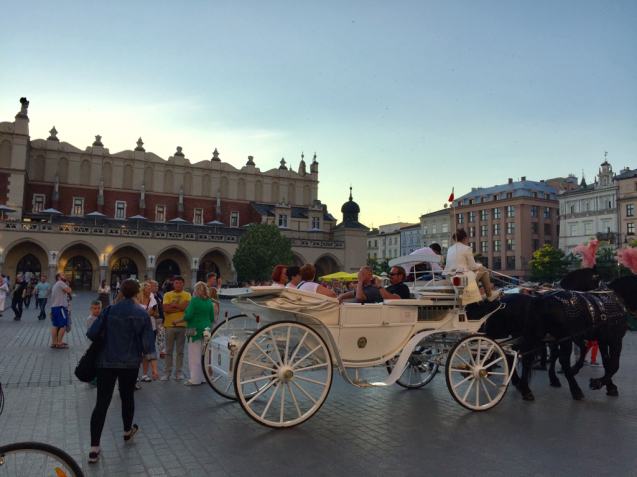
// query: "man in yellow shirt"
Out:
[175,304]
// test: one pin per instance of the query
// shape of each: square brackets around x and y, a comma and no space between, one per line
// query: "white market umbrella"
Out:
[178,220]
[6,208]
[96,215]
[137,218]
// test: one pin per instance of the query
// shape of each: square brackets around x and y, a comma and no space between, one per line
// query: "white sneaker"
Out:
[165,377]
[179,376]
[494,295]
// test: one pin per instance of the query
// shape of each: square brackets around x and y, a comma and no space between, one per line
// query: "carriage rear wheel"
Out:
[418,370]
[241,326]
[477,372]
[290,367]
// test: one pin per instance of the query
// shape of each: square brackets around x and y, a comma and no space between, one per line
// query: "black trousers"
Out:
[27,301]
[106,378]
[16,306]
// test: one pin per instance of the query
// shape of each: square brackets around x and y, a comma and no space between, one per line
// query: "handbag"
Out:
[86,369]
[191,332]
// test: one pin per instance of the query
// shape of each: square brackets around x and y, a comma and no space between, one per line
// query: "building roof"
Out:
[297,212]
[350,224]
[408,227]
[350,207]
[438,212]
[626,175]
[520,189]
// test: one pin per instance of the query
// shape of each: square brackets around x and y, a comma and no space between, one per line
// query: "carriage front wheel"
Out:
[477,373]
[290,367]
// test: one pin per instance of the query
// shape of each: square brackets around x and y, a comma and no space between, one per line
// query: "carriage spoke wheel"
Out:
[418,371]
[241,326]
[30,459]
[292,365]
[477,372]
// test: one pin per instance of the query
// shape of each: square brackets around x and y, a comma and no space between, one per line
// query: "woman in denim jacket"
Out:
[128,336]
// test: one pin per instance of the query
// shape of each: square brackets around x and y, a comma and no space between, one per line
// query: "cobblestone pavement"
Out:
[384,432]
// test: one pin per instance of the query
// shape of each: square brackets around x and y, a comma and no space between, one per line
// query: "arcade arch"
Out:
[80,263]
[126,261]
[15,255]
[218,261]
[173,261]
[326,265]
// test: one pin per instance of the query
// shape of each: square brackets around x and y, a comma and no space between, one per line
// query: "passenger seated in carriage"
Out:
[307,283]
[294,276]
[370,291]
[460,261]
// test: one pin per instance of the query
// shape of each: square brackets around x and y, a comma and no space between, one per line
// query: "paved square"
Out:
[381,432]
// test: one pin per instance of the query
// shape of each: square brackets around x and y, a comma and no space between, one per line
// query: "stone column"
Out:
[103,271]
[193,277]
[150,273]
[53,269]
[1,263]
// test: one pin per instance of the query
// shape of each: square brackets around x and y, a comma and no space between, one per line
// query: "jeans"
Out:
[106,378]
[175,334]
[16,306]
[43,307]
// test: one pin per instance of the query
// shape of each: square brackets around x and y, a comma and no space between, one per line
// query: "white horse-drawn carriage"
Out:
[277,358]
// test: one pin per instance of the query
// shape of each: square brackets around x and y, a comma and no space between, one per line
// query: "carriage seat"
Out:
[293,300]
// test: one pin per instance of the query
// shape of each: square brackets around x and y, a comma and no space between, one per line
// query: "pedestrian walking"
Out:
[159,321]
[4,289]
[147,302]
[175,304]
[17,296]
[96,309]
[128,336]
[200,315]
[104,292]
[43,290]
[28,293]
[59,311]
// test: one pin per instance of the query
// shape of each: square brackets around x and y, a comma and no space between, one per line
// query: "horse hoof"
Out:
[578,397]
[595,384]
[528,397]
[612,392]
[556,384]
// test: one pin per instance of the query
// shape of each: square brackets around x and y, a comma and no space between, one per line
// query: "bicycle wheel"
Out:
[25,459]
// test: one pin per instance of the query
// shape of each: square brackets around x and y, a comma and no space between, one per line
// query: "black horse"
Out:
[584,279]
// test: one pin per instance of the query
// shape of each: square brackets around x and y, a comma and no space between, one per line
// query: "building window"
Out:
[120,209]
[496,196]
[534,211]
[160,213]
[485,262]
[445,228]
[548,242]
[283,220]
[535,228]
[573,230]
[510,263]
[588,229]
[497,229]
[572,209]
[472,216]
[510,211]
[547,213]
[433,229]
[424,230]
[473,246]
[547,196]
[509,195]
[375,243]
[234,219]
[510,244]
[38,202]
[445,243]
[630,210]
[497,213]
[497,245]
[534,195]
[631,228]
[78,206]
[198,218]
[316,222]
[483,199]
[510,227]
[535,245]
[484,230]
[472,231]
[484,246]
[497,263]
[461,218]
[484,215]
[547,229]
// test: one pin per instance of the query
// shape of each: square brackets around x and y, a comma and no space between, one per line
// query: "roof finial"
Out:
[282,166]
[350,192]
[140,143]
[54,135]
[215,155]
[98,141]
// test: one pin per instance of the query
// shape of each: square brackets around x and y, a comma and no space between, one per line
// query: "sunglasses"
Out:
[393,274]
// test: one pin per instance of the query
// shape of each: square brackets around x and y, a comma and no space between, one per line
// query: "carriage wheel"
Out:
[477,372]
[418,371]
[291,366]
[241,326]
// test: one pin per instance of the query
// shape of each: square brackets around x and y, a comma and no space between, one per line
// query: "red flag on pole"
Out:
[451,196]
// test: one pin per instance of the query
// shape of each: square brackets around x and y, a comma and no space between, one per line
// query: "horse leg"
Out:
[565,360]
[555,382]
[596,384]
[611,366]
[515,378]
[523,386]
[579,364]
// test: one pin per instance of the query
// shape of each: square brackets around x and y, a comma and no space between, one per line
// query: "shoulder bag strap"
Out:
[300,285]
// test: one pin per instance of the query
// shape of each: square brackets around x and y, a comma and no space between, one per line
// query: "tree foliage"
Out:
[549,264]
[378,267]
[261,248]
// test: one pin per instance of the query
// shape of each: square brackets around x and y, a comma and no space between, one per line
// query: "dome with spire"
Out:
[350,207]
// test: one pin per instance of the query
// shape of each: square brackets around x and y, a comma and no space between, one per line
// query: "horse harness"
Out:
[609,309]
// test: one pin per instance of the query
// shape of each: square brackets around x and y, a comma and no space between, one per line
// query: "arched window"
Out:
[85,172]
[63,170]
[39,166]
[79,272]
[166,269]
[258,191]
[123,268]
[128,176]
[5,153]
[148,178]
[307,195]
[205,186]
[205,268]
[168,182]
[224,187]
[275,192]
[188,183]
[242,189]
[107,174]
[29,263]
[291,194]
